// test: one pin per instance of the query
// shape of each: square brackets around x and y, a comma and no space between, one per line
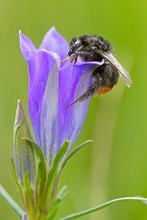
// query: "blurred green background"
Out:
[115,164]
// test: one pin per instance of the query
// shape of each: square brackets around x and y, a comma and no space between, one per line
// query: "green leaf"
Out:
[74,151]
[104,205]
[4,194]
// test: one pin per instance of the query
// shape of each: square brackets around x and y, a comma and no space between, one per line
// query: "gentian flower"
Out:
[52,87]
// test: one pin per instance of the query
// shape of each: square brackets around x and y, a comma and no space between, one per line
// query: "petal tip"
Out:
[22,37]
[27,47]
[55,42]
[53,28]
[20,32]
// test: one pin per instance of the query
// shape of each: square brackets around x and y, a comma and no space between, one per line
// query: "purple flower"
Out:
[52,87]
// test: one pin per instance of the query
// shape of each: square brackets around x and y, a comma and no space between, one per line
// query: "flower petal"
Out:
[49,115]
[27,47]
[40,63]
[40,67]
[73,82]
[53,41]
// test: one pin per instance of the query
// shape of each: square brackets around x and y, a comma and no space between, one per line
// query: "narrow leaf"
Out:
[104,205]
[4,194]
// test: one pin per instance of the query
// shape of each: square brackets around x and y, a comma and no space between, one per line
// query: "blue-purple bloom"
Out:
[52,87]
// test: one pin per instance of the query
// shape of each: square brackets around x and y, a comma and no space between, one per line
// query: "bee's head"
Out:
[75,45]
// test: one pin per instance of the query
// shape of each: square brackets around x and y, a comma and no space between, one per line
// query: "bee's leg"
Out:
[92,89]
[85,95]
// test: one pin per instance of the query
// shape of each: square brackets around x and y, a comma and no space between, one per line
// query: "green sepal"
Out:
[40,156]
[14,174]
[13,171]
[57,162]
[27,191]
[62,193]
[75,151]
[27,186]
[38,151]
[41,172]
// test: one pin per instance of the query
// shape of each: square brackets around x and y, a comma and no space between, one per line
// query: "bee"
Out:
[96,48]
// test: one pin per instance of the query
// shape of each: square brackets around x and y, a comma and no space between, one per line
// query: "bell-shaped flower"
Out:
[52,87]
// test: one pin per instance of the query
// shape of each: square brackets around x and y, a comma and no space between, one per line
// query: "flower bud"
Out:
[23,150]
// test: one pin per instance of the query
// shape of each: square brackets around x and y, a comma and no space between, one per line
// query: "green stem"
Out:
[94,209]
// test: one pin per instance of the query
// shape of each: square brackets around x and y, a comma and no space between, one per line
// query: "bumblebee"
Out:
[96,48]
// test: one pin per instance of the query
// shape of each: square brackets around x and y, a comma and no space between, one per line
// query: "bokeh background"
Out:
[115,164]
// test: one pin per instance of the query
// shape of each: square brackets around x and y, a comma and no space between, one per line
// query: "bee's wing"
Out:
[113,61]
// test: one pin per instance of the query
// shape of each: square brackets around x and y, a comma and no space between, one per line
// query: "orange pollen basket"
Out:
[103,90]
